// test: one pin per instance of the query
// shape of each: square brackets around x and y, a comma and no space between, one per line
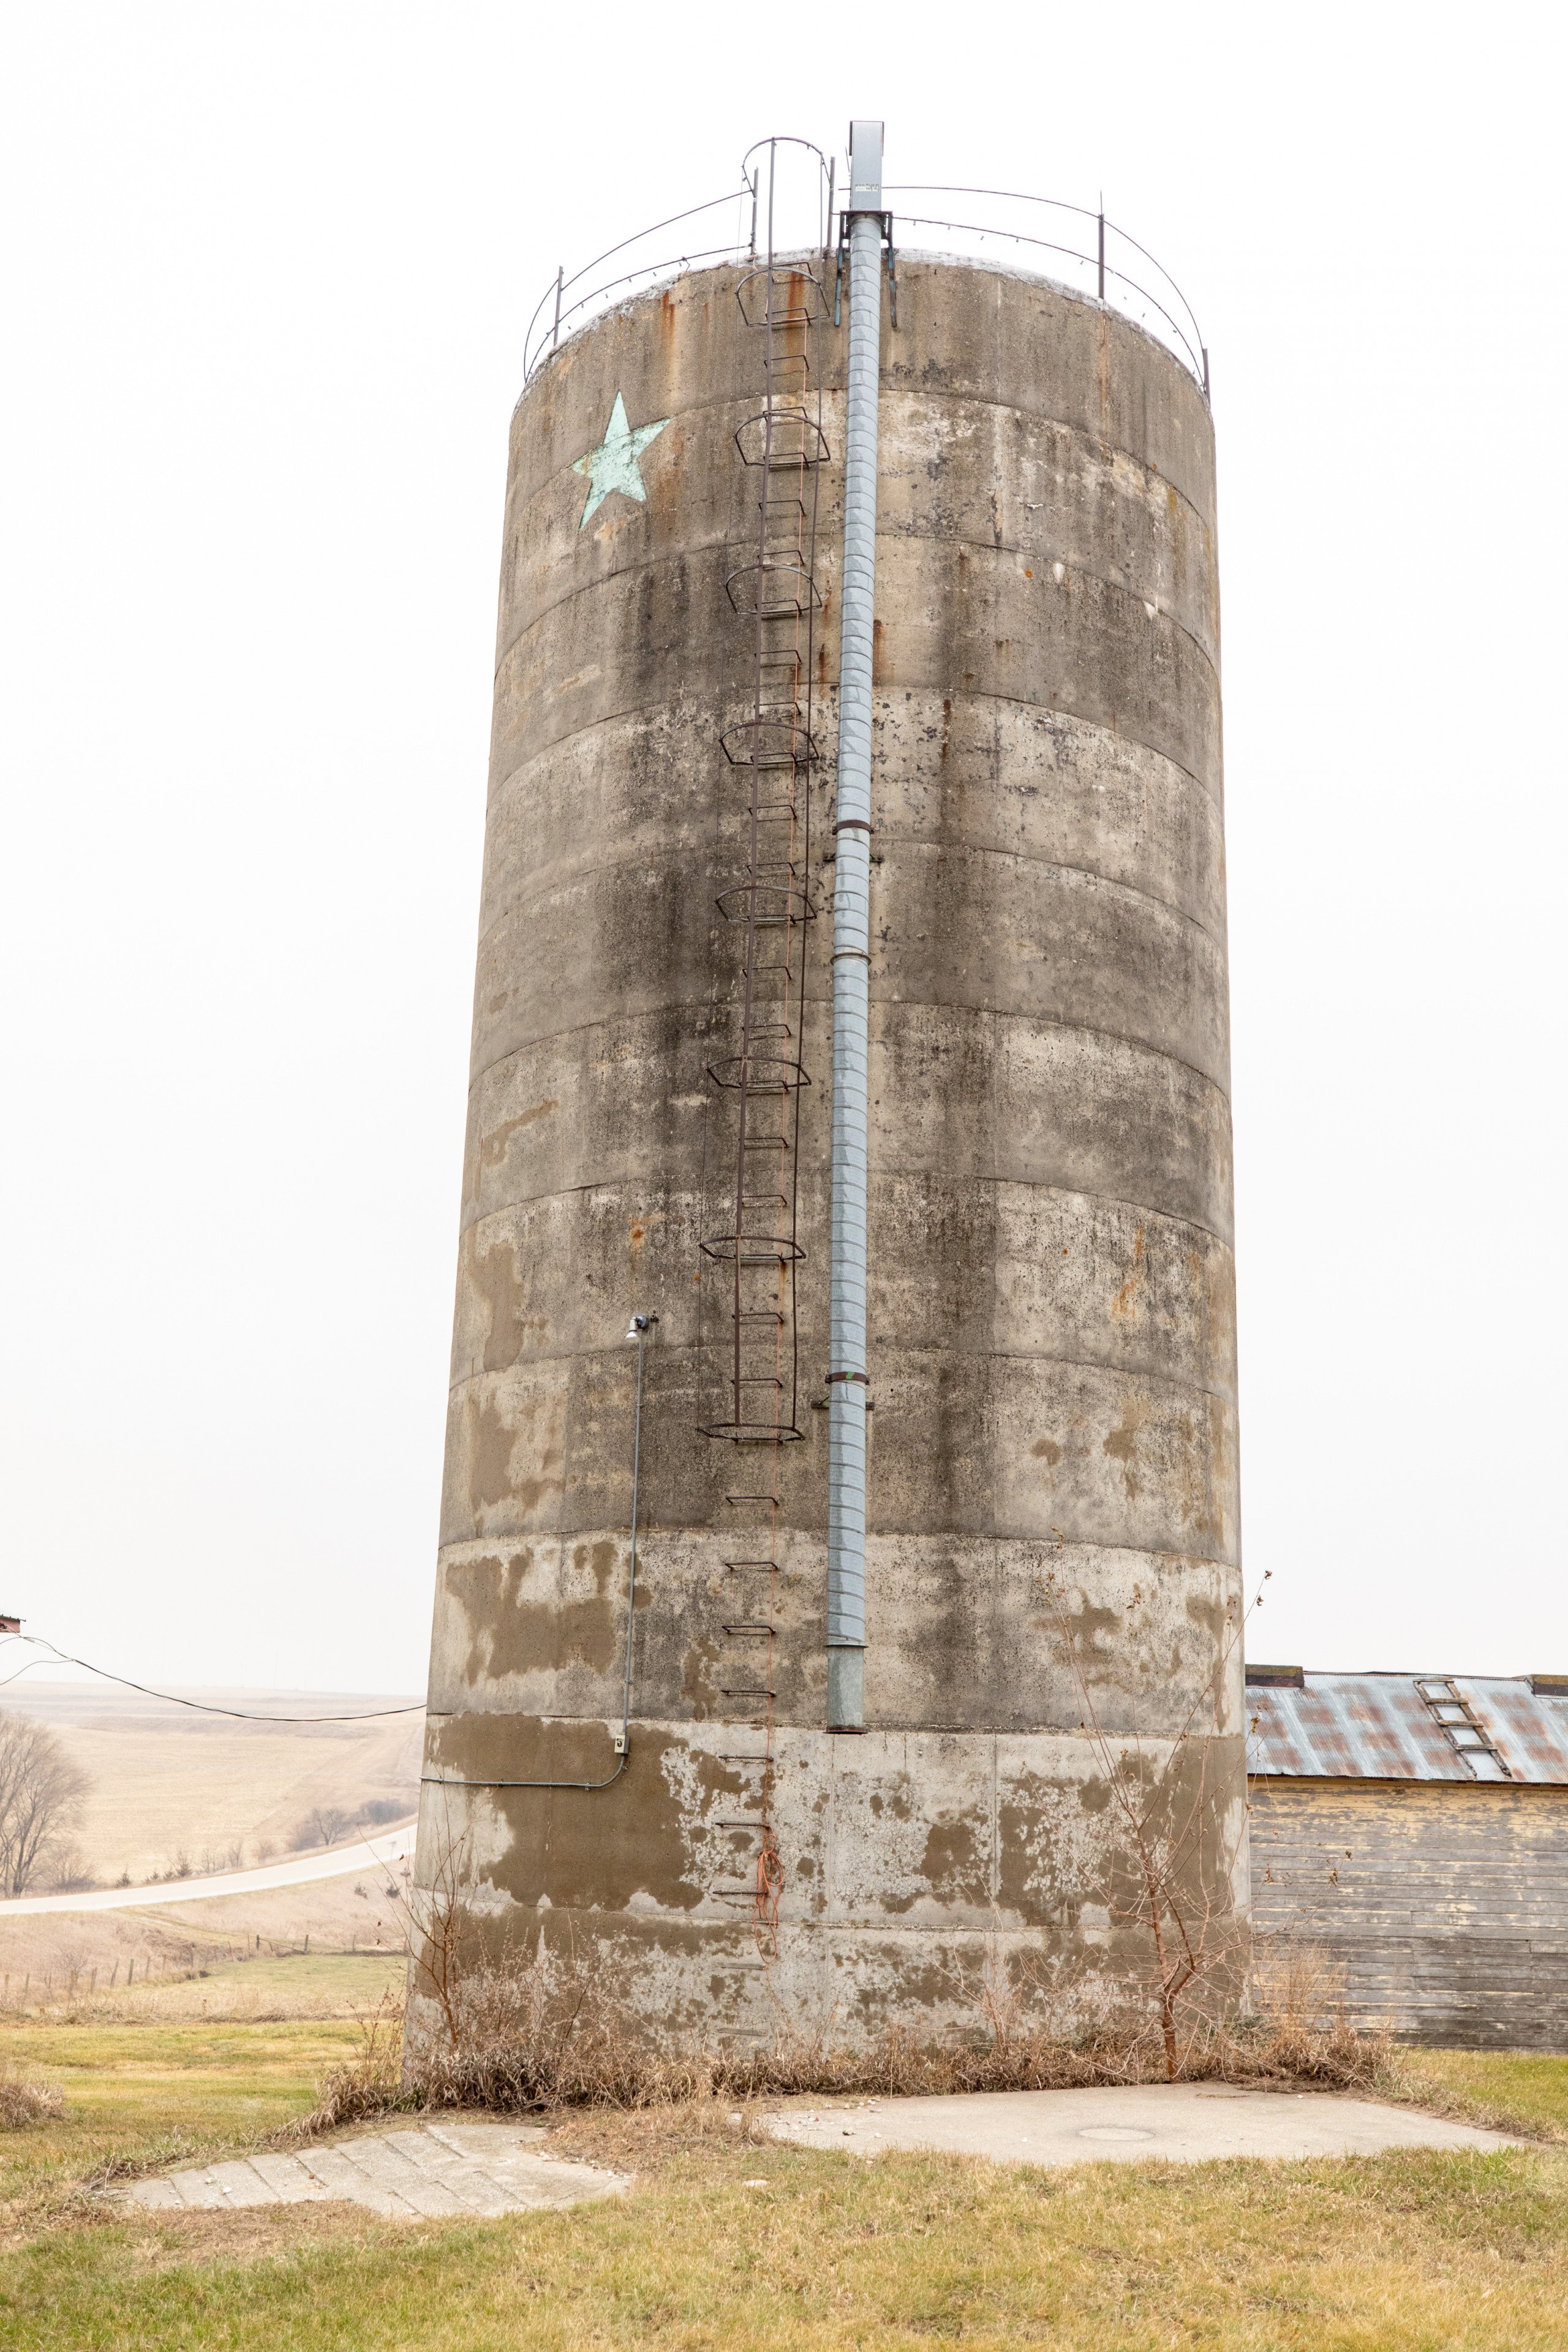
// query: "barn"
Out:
[1414,1828]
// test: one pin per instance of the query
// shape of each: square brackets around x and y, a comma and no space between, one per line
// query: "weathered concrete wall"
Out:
[1052,1317]
[1443,1903]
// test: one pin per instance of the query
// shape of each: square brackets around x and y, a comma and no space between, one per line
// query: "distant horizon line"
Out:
[111,1689]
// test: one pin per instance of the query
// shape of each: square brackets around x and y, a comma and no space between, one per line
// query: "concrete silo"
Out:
[1049,1365]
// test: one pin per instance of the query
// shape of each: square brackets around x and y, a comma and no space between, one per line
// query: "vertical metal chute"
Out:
[851,951]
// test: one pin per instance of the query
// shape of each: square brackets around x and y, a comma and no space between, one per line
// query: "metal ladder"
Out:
[770,753]
[1463,1729]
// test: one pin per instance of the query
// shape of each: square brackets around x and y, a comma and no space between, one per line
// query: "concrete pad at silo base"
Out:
[424,2172]
[1182,2123]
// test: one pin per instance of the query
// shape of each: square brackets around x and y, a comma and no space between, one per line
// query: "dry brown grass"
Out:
[23,2103]
[169,1964]
[368,2084]
[547,2033]
[172,2242]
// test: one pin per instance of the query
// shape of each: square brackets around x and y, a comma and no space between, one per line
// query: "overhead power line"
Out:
[197,1707]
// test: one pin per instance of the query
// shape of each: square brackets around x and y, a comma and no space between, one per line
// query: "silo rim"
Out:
[813,255]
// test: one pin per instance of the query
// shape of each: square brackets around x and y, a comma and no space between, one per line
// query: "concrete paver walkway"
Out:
[412,2172]
[1187,2122]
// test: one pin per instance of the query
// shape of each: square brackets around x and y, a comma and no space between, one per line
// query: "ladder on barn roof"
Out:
[1461,1727]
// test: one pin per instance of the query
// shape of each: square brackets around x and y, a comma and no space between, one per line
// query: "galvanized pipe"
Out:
[851,962]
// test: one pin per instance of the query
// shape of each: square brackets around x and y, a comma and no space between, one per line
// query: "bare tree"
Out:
[1164,1812]
[324,1826]
[41,1793]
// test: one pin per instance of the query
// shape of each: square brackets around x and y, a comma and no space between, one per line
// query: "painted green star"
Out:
[613,465]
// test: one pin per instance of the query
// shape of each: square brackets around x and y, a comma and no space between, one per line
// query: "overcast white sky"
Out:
[266,274]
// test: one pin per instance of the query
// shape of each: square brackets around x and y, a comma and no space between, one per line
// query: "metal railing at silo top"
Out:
[1075,245]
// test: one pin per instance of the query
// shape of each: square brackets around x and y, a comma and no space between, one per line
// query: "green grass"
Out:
[346,1981]
[1510,2091]
[296,1984]
[1404,2253]
[138,2094]
[1407,2253]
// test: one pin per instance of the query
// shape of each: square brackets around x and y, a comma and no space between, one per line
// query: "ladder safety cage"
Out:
[768,753]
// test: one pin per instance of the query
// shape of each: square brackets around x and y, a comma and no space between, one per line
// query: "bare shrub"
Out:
[68,1872]
[548,2028]
[368,2084]
[376,1809]
[28,2103]
[323,1825]
[41,1794]
[524,2032]
[1170,1860]
[1299,1993]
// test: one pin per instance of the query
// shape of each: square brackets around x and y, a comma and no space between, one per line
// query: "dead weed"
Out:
[23,2102]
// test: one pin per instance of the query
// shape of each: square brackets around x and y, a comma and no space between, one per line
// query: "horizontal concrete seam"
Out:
[909,1351]
[930,539]
[887,693]
[517,909]
[890,836]
[630,570]
[894,389]
[828,692]
[698,1532]
[887,834]
[1064,1028]
[895,1730]
[1118,734]
[527,907]
[880,1382]
[550,485]
[891,389]
[689,548]
[1115,1201]
[630,1179]
[1133,595]
[878,1004]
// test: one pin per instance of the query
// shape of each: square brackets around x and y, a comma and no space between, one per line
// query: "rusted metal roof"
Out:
[1409,1728]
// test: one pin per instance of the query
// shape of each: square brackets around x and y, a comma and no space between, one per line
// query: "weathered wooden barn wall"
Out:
[1444,1901]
